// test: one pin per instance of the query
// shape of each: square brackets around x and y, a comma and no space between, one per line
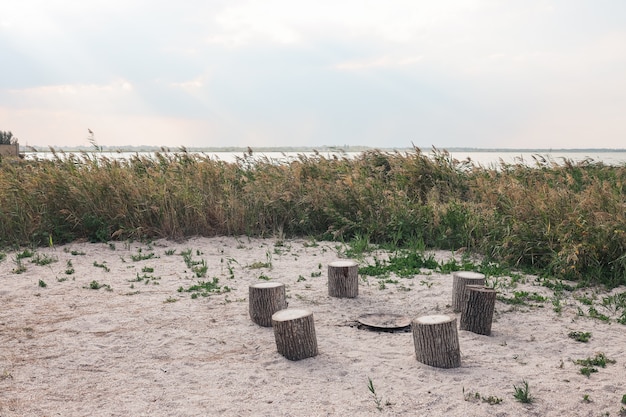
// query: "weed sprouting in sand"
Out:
[580,336]
[26,253]
[20,268]
[205,288]
[588,366]
[475,396]
[42,260]
[95,285]
[198,267]
[140,256]
[101,265]
[522,393]
[377,399]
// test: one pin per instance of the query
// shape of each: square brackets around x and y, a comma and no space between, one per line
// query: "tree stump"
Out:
[477,312]
[460,279]
[343,279]
[265,299]
[436,341]
[294,332]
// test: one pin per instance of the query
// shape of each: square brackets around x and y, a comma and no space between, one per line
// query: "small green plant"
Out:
[19,267]
[523,298]
[205,288]
[170,252]
[147,279]
[259,265]
[147,269]
[95,285]
[300,278]
[580,336]
[584,299]
[200,269]
[615,303]
[316,274]
[170,299]
[142,256]
[624,399]
[25,254]
[42,283]
[3,256]
[522,393]
[77,253]
[475,396]
[70,268]
[101,265]
[43,260]
[586,398]
[588,366]
[588,370]
[593,313]
[264,277]
[377,399]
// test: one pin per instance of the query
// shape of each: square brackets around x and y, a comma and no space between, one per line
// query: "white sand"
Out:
[67,350]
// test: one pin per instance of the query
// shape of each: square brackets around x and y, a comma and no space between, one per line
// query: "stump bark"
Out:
[343,279]
[265,299]
[460,280]
[294,331]
[436,341]
[477,312]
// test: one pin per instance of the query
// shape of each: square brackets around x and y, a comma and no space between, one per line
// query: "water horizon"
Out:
[481,157]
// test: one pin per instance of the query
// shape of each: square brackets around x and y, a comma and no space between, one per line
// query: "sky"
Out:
[548,74]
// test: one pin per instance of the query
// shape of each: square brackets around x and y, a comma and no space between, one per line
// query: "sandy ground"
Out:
[139,347]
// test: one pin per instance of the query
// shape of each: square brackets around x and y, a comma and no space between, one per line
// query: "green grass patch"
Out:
[205,288]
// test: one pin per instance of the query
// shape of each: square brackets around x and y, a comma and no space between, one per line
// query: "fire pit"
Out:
[384,322]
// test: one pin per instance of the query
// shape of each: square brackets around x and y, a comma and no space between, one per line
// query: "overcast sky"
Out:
[449,73]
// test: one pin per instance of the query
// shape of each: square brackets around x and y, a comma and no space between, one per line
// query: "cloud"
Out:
[80,97]
[191,86]
[380,62]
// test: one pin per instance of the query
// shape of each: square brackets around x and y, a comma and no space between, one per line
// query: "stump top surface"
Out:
[342,264]
[268,285]
[384,320]
[480,288]
[290,314]
[468,274]
[434,319]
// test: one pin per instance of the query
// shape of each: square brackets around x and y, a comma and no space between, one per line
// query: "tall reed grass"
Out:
[567,220]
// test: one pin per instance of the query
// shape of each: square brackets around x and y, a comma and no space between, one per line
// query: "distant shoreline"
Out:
[337,149]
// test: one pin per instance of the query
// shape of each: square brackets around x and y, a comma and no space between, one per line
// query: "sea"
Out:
[484,158]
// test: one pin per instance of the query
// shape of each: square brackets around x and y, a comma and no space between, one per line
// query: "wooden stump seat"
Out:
[294,331]
[343,279]
[265,299]
[460,280]
[477,312]
[436,341]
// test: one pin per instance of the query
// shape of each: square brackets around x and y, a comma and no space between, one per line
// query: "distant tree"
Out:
[7,138]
